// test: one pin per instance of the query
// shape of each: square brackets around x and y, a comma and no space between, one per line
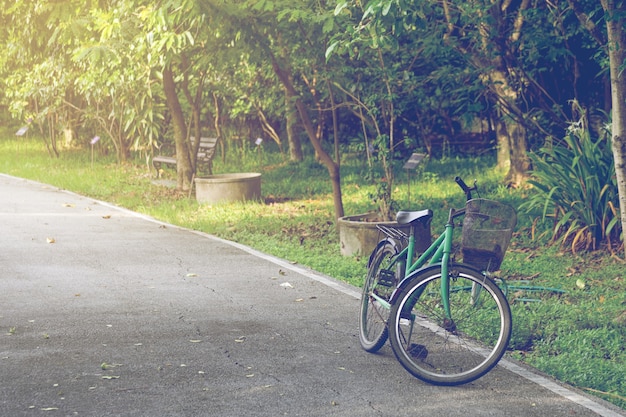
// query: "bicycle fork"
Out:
[445,277]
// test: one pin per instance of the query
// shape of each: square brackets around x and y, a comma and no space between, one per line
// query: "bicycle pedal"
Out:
[387,278]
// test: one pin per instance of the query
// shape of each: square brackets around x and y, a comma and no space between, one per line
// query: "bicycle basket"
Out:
[487,230]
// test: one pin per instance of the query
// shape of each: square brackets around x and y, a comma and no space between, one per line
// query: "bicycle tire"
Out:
[373,315]
[444,351]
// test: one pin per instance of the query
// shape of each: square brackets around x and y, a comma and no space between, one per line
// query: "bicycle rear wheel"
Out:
[452,350]
[379,285]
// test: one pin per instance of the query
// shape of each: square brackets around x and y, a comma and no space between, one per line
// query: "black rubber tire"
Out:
[445,351]
[373,316]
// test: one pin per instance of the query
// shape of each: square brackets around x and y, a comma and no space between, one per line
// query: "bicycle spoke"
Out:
[450,350]
[377,290]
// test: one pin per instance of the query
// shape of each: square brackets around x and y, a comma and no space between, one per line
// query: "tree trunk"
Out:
[497,80]
[617,54]
[507,126]
[520,163]
[218,129]
[325,158]
[503,146]
[291,117]
[184,169]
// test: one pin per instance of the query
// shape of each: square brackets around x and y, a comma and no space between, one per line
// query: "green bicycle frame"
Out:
[438,252]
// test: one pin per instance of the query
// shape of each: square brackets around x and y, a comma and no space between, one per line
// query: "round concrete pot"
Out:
[358,235]
[224,188]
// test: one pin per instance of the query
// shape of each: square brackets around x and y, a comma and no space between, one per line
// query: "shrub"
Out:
[574,184]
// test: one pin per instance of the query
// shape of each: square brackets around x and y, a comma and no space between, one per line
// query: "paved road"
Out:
[107,313]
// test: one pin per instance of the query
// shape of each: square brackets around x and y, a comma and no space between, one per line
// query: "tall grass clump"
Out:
[574,185]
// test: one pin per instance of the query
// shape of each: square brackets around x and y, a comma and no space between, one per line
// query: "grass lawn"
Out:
[577,335]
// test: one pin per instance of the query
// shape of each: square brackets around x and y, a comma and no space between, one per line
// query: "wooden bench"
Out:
[206,151]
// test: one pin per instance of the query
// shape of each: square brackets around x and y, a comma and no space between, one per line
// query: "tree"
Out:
[612,42]
[172,30]
[118,89]
[615,17]
[404,83]
[290,37]
[36,83]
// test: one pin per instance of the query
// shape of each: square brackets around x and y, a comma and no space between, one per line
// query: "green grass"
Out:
[577,336]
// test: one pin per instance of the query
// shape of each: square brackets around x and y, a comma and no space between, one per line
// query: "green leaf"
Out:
[189,37]
[330,49]
[387,7]
[340,6]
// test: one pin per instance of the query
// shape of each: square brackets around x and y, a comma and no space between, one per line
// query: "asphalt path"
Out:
[104,312]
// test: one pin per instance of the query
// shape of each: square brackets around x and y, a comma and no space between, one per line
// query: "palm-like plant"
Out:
[574,184]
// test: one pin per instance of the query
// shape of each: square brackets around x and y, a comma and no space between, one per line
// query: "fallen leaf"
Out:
[108,216]
[110,377]
[68,205]
[191,275]
[580,283]
[104,366]
[50,240]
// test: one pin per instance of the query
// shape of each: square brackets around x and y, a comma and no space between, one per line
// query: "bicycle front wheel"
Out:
[454,348]
[379,284]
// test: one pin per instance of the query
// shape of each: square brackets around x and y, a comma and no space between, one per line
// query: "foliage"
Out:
[118,83]
[36,68]
[372,38]
[430,83]
[574,185]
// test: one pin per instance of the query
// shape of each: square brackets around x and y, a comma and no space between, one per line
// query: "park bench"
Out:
[206,151]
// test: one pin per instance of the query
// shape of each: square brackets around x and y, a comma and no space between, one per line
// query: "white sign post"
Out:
[93,143]
[409,165]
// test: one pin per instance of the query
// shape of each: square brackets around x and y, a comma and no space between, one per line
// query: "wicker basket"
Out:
[487,229]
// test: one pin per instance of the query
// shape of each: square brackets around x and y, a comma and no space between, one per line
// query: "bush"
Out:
[575,186]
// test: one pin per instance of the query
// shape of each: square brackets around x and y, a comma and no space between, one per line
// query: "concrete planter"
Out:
[224,188]
[358,235]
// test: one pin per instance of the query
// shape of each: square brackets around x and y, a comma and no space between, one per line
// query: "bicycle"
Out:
[448,323]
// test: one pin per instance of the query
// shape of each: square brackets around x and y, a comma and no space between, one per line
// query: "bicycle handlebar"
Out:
[467,190]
